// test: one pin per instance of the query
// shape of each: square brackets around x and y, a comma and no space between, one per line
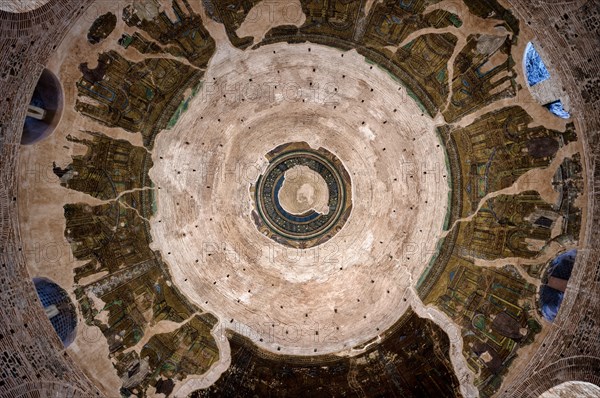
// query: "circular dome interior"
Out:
[299,198]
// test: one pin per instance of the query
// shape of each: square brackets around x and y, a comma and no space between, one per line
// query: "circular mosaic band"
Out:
[310,228]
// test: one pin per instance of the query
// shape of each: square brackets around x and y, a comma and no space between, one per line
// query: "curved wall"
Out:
[569,352]
[33,352]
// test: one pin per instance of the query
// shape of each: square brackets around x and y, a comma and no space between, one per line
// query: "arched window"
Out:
[45,109]
[535,69]
[58,307]
[542,85]
[555,283]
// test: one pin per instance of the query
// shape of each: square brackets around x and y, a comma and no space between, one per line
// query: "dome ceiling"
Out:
[299,198]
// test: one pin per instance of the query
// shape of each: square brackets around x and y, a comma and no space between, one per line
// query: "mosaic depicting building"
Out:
[294,198]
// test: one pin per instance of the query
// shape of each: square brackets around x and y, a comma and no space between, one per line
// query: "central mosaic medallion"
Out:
[303,198]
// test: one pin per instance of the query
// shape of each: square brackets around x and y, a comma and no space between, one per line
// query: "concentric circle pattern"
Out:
[299,198]
[311,227]
[224,263]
